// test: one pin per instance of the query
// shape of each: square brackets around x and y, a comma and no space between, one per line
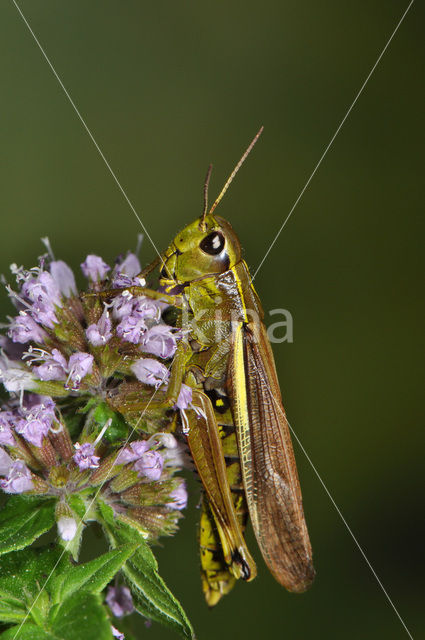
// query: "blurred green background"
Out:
[168,87]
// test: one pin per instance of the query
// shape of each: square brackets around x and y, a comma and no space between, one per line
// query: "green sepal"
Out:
[151,596]
[22,520]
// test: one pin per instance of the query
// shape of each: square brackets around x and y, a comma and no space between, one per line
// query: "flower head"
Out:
[82,362]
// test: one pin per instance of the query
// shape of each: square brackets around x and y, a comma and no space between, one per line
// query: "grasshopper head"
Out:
[208,246]
[201,249]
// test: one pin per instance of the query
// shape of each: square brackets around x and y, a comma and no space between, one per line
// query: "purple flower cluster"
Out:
[56,367]
[64,355]
[40,296]
[48,295]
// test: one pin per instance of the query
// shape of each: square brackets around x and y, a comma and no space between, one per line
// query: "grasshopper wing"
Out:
[268,465]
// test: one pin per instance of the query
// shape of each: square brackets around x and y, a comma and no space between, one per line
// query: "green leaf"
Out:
[23,575]
[28,631]
[92,576]
[151,596]
[23,520]
[81,616]
[11,610]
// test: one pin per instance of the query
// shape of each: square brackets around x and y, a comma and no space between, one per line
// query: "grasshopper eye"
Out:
[213,243]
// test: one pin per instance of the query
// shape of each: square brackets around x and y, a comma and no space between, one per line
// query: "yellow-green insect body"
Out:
[228,350]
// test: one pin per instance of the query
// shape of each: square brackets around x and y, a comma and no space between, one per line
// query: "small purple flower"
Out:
[53,368]
[67,528]
[150,465]
[119,601]
[147,308]
[150,371]
[15,377]
[18,479]
[7,421]
[33,401]
[133,452]
[12,350]
[79,365]
[42,290]
[185,398]
[117,634]
[179,497]
[131,328]
[35,419]
[6,462]
[122,306]
[130,265]
[33,429]
[24,329]
[160,341]
[94,268]
[100,333]
[64,278]
[126,271]
[84,458]
[121,280]
[44,314]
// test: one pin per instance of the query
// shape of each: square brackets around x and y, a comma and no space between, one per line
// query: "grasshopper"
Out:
[236,428]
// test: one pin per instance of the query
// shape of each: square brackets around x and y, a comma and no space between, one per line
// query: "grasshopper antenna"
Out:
[234,172]
[204,212]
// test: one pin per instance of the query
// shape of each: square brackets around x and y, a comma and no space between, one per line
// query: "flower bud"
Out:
[67,524]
